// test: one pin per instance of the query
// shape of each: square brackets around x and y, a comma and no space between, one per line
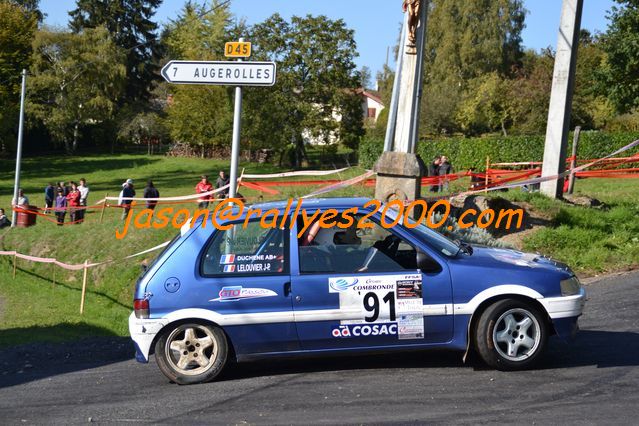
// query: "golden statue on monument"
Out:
[413,9]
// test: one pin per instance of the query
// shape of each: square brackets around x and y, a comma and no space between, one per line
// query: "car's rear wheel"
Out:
[511,334]
[191,353]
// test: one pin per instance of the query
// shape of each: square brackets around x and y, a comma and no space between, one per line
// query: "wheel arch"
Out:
[476,314]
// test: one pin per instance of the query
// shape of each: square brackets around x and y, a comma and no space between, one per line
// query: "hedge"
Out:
[466,153]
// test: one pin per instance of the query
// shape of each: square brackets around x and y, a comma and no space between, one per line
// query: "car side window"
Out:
[352,250]
[250,250]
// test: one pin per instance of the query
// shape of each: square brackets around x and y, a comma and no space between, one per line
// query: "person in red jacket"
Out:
[204,186]
[73,201]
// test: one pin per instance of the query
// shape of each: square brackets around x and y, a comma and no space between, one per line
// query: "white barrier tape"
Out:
[299,173]
[340,185]
[80,266]
[180,198]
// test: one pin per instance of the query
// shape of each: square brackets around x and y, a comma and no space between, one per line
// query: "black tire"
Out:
[184,366]
[500,338]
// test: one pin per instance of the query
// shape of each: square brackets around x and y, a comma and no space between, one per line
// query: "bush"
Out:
[466,153]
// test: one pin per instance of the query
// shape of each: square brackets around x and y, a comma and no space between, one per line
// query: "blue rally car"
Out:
[246,292]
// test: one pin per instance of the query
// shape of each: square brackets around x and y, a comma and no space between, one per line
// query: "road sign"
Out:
[220,72]
[235,49]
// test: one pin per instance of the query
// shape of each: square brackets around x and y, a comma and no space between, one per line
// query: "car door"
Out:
[351,294]
[246,268]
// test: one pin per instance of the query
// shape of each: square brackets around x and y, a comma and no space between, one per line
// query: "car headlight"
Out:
[570,287]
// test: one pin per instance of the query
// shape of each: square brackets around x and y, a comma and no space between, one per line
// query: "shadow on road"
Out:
[598,348]
[601,349]
[26,363]
[34,361]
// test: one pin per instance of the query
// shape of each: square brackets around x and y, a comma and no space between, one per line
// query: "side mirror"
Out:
[427,264]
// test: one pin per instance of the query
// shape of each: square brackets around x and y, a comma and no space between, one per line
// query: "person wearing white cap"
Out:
[127,192]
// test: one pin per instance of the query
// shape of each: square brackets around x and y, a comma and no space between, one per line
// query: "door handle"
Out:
[287,289]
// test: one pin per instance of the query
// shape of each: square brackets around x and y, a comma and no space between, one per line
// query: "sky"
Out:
[376,22]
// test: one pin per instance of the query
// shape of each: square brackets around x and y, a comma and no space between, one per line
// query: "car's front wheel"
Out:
[191,353]
[511,334]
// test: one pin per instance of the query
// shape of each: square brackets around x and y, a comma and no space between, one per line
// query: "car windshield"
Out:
[429,236]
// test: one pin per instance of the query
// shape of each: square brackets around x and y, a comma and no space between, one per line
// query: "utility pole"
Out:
[560,108]
[16,186]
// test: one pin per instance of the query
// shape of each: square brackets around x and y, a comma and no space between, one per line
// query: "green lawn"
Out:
[34,308]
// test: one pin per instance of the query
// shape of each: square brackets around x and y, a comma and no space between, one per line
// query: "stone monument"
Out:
[399,169]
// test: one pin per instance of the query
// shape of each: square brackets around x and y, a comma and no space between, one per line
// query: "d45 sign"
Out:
[236,49]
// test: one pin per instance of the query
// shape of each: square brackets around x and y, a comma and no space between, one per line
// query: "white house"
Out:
[372,106]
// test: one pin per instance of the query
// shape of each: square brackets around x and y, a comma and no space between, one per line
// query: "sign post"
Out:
[237,128]
[226,73]
[16,186]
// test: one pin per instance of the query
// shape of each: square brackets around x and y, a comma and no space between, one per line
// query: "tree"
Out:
[317,81]
[16,33]
[621,44]
[466,40]
[366,77]
[486,106]
[144,128]
[199,115]
[30,6]
[77,80]
[131,28]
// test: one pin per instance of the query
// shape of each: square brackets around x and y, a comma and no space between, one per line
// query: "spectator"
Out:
[73,202]
[65,189]
[4,220]
[445,168]
[49,195]
[433,171]
[202,187]
[60,206]
[23,200]
[221,182]
[84,195]
[127,192]
[151,192]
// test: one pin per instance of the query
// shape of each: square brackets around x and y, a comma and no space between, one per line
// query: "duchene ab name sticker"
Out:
[392,300]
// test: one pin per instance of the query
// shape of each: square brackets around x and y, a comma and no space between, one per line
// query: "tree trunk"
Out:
[75,137]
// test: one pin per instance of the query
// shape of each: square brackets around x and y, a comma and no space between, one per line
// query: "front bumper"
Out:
[143,332]
[564,306]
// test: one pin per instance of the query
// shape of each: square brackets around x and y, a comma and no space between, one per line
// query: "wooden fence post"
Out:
[573,161]
[84,286]
[487,167]
[103,207]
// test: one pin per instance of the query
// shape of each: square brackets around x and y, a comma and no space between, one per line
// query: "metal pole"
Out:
[235,148]
[392,113]
[419,77]
[573,161]
[16,186]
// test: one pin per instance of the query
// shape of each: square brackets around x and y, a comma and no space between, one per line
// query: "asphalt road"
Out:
[593,381]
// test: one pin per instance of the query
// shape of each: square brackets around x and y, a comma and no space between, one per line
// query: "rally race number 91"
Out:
[382,299]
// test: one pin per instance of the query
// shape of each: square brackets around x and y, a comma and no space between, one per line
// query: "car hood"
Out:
[506,258]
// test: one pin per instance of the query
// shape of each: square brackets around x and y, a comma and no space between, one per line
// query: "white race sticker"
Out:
[383,299]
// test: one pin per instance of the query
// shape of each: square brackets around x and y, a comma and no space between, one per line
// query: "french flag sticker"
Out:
[229,268]
[227,259]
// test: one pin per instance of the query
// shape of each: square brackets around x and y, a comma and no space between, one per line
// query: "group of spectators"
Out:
[71,197]
[58,199]
[440,166]
[151,193]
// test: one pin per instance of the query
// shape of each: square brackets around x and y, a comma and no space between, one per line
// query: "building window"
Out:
[372,113]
